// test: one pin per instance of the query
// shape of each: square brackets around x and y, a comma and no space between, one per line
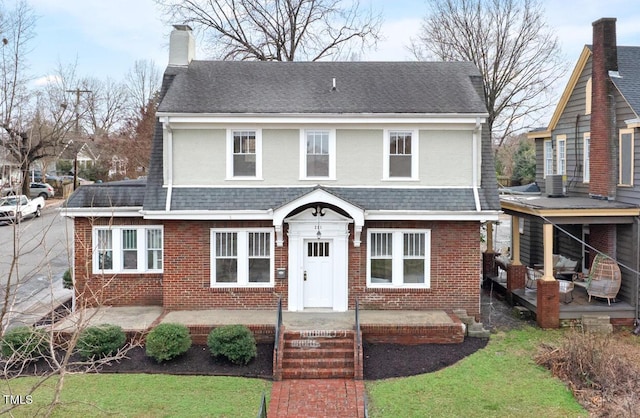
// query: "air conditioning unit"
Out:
[554,185]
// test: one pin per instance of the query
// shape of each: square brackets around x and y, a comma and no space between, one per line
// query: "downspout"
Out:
[474,177]
[637,273]
[167,126]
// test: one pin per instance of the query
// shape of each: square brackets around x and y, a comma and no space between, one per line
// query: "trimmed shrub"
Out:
[167,341]
[101,341]
[233,342]
[24,343]
[67,281]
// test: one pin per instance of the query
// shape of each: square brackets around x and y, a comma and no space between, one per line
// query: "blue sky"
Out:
[106,37]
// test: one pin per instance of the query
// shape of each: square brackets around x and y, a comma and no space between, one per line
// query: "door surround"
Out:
[304,227]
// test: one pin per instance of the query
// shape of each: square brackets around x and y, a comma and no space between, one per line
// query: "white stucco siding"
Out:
[359,156]
[198,156]
[446,158]
[281,158]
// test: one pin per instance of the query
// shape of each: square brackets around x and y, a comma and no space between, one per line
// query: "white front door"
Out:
[317,285]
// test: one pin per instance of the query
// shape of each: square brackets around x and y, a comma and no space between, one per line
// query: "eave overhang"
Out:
[107,212]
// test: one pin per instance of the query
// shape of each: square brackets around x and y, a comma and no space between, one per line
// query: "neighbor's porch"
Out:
[548,302]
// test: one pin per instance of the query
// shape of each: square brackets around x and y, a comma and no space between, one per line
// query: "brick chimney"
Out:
[182,46]
[603,164]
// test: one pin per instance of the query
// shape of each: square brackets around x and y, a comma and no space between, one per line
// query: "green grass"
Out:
[501,380]
[140,395]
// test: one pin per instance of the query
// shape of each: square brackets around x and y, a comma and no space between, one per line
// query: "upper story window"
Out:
[586,139]
[561,154]
[398,258]
[318,154]
[548,157]
[127,249]
[587,97]
[401,155]
[626,147]
[244,154]
[241,258]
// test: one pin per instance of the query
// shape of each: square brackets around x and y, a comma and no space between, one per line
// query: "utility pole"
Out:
[77,91]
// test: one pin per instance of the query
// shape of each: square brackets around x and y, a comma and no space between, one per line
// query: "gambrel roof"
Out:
[308,87]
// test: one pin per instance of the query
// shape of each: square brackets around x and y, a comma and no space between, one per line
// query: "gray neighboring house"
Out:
[317,182]
[588,170]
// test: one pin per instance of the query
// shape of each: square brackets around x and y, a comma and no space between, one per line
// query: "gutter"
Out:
[476,166]
[167,126]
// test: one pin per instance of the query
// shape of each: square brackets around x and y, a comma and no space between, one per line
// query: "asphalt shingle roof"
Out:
[306,87]
[126,193]
[629,81]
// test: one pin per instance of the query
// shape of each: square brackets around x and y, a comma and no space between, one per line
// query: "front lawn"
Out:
[145,395]
[500,380]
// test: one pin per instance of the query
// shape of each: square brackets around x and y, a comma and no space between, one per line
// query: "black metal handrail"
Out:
[262,412]
[358,332]
[278,325]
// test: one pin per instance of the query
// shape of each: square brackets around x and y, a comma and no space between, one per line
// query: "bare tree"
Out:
[509,41]
[278,30]
[143,83]
[34,123]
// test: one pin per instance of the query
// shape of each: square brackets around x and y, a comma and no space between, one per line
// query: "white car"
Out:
[15,208]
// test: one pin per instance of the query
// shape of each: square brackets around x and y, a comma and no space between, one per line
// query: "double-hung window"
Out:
[400,155]
[127,249]
[241,258]
[586,140]
[398,258]
[626,157]
[244,154]
[317,154]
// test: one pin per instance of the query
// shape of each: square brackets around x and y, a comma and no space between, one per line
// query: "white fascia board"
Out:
[210,215]
[411,215]
[119,212]
[312,118]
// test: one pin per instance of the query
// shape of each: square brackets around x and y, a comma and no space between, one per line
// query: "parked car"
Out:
[44,190]
[15,208]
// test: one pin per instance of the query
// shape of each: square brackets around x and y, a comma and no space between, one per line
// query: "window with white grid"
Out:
[398,258]
[241,257]
[130,249]
[401,155]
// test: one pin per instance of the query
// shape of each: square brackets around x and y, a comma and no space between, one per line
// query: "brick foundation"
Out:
[516,277]
[548,309]
[489,266]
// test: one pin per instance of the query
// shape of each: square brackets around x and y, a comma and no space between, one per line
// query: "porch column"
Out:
[548,292]
[516,272]
[489,268]
[515,240]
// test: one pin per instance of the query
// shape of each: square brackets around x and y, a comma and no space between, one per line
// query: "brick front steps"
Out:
[318,354]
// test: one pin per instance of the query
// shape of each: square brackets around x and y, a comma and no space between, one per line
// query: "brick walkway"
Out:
[315,398]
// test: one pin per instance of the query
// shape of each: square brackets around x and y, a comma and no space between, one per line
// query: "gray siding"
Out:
[627,255]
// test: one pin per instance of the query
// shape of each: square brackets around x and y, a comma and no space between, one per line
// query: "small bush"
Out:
[101,341]
[234,342]
[24,343]
[67,281]
[167,341]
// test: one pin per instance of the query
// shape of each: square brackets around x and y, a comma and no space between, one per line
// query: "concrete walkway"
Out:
[316,398]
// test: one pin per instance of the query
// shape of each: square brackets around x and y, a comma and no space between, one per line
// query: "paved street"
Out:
[33,257]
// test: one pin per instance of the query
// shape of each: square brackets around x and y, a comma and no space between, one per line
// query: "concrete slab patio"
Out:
[141,318]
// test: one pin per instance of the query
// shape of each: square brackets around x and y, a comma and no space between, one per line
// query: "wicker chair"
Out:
[603,280]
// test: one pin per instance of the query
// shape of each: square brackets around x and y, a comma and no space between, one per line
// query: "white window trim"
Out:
[415,152]
[561,163]
[398,257]
[586,156]
[548,168]
[587,97]
[229,152]
[116,240]
[303,154]
[633,147]
[242,257]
